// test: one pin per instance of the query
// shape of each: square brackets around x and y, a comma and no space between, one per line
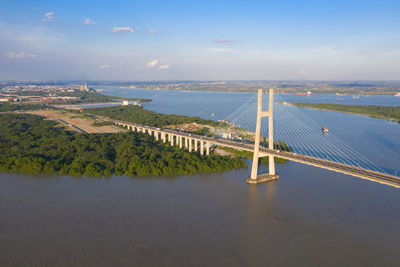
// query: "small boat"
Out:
[341,94]
[356,96]
[397,94]
[325,129]
[305,93]
[212,114]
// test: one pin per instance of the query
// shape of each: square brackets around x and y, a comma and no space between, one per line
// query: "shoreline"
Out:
[364,93]
[342,111]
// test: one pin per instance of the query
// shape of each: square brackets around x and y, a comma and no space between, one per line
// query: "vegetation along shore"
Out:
[31,144]
[387,112]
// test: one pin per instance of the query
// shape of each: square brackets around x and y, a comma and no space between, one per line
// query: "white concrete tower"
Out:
[255,178]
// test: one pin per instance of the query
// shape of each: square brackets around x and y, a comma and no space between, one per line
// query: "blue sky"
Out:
[200,40]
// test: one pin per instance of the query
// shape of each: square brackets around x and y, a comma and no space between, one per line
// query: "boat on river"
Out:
[303,93]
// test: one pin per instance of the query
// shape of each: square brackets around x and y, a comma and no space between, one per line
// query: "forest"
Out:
[5,107]
[388,112]
[84,97]
[94,97]
[139,115]
[31,144]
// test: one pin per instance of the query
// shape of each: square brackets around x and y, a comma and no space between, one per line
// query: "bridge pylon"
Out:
[256,178]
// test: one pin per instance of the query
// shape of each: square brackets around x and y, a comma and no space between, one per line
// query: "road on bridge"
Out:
[382,178]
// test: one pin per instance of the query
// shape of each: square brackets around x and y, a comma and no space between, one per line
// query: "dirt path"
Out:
[75,122]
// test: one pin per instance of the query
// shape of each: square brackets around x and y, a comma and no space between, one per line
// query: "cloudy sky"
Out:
[200,40]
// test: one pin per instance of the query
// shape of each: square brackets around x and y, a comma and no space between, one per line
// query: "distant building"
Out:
[125,103]
[227,135]
[84,88]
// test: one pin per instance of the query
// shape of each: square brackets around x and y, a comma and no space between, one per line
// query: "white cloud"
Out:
[152,63]
[20,55]
[160,64]
[48,16]
[107,66]
[163,67]
[89,22]
[123,29]
[220,49]
[152,31]
[224,40]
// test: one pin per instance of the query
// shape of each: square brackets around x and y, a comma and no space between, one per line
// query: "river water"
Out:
[308,217]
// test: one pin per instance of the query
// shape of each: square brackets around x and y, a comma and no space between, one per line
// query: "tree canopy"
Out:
[31,144]
[388,112]
[14,107]
[139,115]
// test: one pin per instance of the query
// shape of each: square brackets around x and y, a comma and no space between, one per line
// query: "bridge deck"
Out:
[321,163]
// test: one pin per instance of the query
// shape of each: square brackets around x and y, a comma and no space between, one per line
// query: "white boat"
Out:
[397,94]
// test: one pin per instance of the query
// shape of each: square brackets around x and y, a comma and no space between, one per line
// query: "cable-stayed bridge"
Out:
[285,123]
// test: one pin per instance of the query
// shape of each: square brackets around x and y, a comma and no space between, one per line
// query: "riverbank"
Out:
[32,145]
[385,112]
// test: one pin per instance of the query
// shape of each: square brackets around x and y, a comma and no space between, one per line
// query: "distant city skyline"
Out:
[202,40]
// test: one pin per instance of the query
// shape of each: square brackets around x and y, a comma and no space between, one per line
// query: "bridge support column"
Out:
[186,142]
[172,140]
[163,137]
[190,145]
[195,144]
[201,148]
[255,178]
[208,148]
[180,141]
[156,135]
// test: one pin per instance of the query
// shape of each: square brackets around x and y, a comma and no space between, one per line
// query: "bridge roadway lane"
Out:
[321,163]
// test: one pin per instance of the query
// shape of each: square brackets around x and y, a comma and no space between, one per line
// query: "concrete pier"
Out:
[201,148]
[262,178]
